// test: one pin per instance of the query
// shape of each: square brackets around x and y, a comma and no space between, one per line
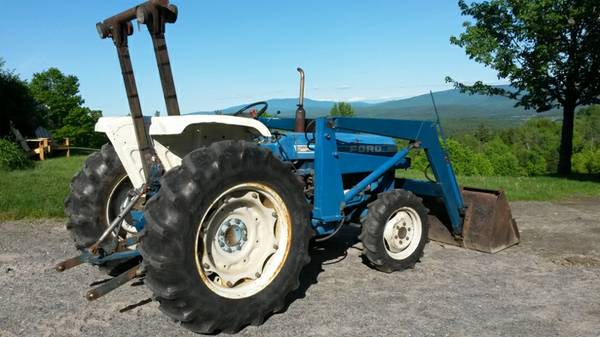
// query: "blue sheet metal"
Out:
[377,173]
[329,189]
[425,133]
[340,149]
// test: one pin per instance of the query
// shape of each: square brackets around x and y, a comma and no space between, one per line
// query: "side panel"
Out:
[329,190]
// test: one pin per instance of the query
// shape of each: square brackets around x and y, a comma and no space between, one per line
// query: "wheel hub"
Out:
[244,239]
[232,235]
[402,232]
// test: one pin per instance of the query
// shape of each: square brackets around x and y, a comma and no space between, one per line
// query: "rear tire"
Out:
[395,231]
[96,195]
[184,237]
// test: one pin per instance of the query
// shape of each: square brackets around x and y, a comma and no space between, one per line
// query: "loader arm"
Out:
[468,217]
[426,135]
[423,133]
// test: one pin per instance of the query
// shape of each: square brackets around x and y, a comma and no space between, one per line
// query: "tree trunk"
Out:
[566,140]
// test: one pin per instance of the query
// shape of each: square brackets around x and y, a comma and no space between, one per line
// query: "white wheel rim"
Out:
[402,233]
[129,228]
[245,237]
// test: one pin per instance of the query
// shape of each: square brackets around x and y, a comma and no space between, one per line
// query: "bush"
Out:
[502,158]
[467,162]
[587,161]
[12,157]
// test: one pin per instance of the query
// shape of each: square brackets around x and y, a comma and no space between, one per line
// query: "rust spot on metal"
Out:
[488,223]
[113,283]
[68,264]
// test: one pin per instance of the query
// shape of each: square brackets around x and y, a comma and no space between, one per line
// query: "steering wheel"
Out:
[258,113]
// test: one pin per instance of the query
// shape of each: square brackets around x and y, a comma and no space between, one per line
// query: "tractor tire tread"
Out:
[371,234]
[170,230]
[84,205]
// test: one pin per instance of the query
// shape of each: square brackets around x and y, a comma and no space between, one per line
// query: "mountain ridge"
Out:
[452,106]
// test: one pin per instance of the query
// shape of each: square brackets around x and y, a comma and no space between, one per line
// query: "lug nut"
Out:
[257,275]
[229,284]
[275,246]
[206,266]
[275,215]
[254,195]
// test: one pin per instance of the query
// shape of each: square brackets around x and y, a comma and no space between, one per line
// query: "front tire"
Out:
[226,237]
[395,230]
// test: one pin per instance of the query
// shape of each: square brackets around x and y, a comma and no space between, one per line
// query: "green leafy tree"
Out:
[79,128]
[17,105]
[66,116]
[341,109]
[466,161]
[587,161]
[483,133]
[547,50]
[502,158]
[58,93]
[587,123]
[538,137]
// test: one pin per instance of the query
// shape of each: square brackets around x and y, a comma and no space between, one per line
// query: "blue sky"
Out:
[230,52]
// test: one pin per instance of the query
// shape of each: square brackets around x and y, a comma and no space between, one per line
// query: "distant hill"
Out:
[458,110]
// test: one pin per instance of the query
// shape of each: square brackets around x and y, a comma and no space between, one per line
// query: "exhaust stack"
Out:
[300,113]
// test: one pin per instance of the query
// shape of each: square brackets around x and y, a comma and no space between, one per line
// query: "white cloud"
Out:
[343,87]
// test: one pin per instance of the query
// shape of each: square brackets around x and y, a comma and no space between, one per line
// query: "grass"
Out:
[37,192]
[541,188]
[40,192]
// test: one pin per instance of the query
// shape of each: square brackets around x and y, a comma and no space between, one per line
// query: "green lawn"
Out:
[40,192]
[544,188]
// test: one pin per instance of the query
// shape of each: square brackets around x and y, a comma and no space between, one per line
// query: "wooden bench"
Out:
[42,145]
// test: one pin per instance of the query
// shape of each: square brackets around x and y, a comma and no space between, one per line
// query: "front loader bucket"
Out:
[488,223]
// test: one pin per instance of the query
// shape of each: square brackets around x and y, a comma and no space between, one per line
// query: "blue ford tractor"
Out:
[216,212]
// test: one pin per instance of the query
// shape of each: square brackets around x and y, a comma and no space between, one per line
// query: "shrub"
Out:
[467,162]
[12,157]
[502,158]
[587,161]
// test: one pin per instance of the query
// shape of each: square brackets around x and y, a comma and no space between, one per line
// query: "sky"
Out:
[230,52]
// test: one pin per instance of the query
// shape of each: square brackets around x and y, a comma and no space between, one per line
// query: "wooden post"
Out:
[68,145]
[42,150]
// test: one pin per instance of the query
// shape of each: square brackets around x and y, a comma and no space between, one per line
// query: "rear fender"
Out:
[174,137]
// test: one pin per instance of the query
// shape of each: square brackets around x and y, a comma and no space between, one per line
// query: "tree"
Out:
[547,49]
[58,94]
[342,109]
[17,105]
[66,116]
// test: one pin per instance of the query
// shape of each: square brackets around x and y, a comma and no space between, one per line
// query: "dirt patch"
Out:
[579,261]
[549,285]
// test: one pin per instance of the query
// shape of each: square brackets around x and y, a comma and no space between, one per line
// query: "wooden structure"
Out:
[42,145]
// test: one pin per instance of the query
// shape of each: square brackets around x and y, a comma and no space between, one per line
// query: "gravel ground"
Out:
[549,285]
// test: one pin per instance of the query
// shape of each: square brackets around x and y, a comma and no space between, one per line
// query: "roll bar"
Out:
[155,14]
